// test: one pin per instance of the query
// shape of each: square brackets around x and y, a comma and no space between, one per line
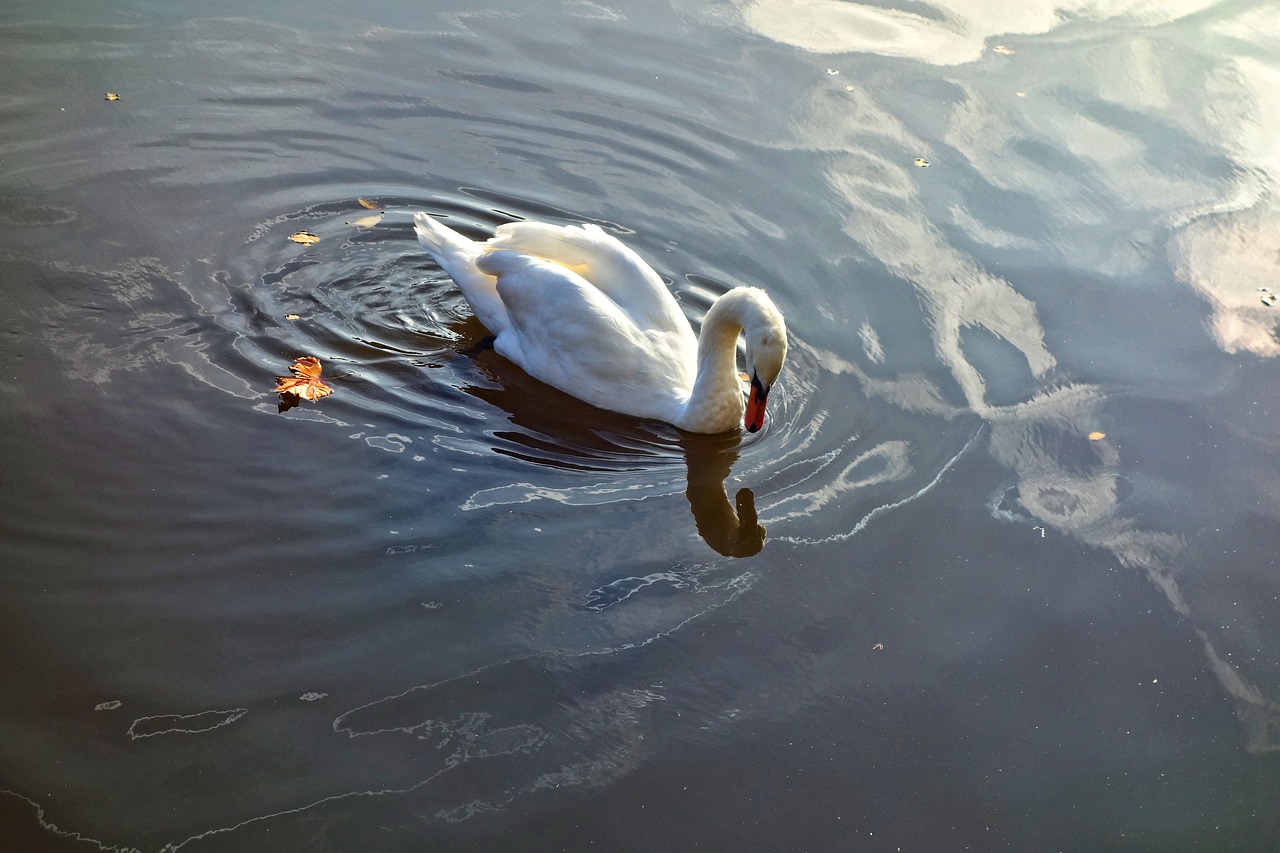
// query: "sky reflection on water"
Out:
[1222,233]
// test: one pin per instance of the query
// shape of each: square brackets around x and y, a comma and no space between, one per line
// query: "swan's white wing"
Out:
[606,263]
[569,334]
[457,255]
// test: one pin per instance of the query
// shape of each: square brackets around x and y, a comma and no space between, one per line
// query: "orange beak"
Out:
[759,397]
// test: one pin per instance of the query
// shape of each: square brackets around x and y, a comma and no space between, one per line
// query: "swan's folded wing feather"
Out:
[567,333]
[604,261]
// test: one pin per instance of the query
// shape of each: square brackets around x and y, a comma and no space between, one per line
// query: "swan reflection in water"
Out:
[732,529]
[559,431]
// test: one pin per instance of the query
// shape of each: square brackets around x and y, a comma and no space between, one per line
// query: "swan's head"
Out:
[766,341]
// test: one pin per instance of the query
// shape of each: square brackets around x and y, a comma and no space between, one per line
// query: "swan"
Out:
[584,313]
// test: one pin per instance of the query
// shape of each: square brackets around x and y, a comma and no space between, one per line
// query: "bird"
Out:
[579,310]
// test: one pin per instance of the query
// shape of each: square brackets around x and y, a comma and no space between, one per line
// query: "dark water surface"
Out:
[1020,484]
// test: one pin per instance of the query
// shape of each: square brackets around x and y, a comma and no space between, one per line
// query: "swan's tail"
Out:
[456,255]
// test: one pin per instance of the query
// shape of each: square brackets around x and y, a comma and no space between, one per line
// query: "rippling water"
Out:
[997,574]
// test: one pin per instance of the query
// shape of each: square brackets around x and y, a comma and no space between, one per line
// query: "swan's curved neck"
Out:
[715,405]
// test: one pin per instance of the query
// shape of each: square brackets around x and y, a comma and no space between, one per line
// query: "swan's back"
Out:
[569,333]
[604,261]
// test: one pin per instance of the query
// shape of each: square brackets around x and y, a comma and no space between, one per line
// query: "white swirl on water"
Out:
[603,492]
[54,829]
[163,724]
[899,469]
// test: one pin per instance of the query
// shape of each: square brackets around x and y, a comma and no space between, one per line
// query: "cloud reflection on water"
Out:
[1228,258]
[945,33]
[1093,172]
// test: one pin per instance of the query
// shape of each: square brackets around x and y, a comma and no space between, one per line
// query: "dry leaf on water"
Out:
[1007,51]
[369,205]
[306,238]
[921,162]
[305,383]
[1097,436]
[112,96]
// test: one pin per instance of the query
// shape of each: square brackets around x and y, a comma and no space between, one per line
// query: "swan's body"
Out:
[580,311]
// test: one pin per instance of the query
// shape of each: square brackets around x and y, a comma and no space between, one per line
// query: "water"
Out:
[1017,585]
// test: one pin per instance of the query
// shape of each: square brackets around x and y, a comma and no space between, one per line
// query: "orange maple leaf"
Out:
[305,381]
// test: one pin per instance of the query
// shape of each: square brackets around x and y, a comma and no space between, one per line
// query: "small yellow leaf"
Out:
[366,221]
[369,205]
[112,96]
[306,238]
[921,162]
[1020,94]
[292,317]
[1097,436]
[1007,51]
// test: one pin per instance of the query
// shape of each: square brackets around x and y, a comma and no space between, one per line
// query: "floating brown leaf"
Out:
[306,238]
[369,205]
[305,382]
[1097,436]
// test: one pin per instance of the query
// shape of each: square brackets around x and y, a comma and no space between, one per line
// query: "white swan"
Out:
[580,311]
